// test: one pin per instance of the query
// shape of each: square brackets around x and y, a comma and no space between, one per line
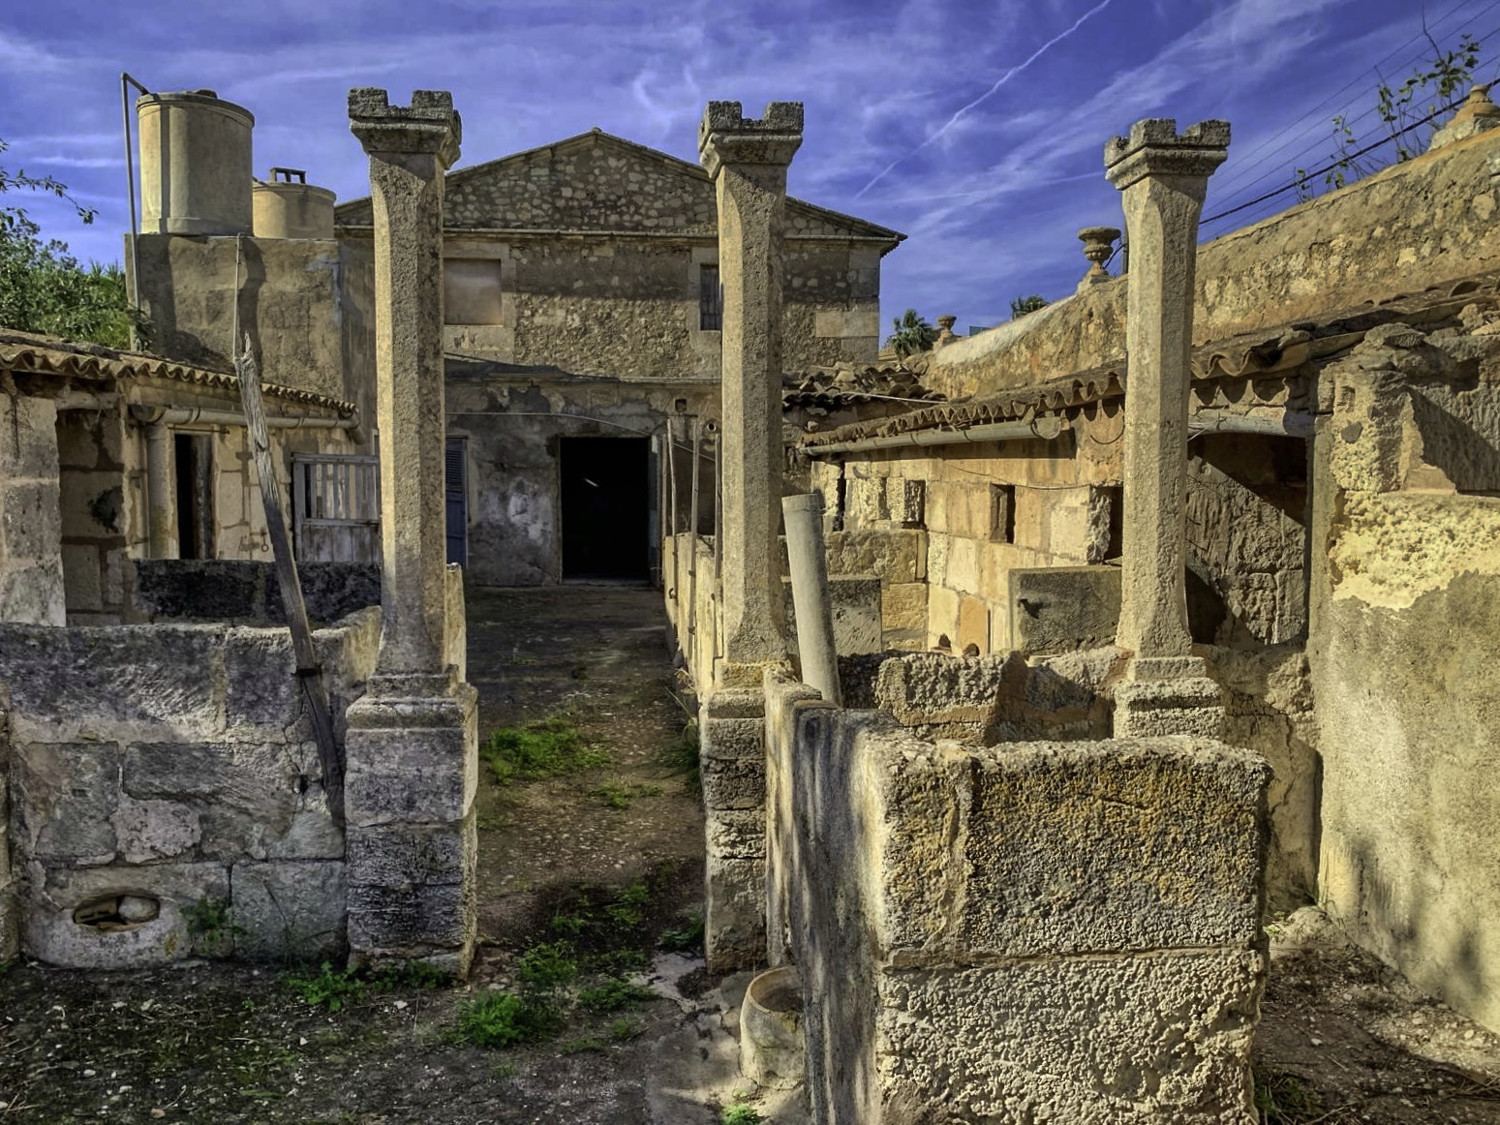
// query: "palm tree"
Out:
[912,334]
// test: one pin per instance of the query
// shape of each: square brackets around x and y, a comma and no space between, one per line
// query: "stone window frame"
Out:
[499,338]
[1002,519]
[703,256]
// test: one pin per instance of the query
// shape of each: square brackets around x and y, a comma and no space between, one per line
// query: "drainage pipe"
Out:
[205,416]
[1282,423]
[810,601]
[1046,429]
[158,487]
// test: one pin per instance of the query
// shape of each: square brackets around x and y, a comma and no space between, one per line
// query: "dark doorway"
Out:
[605,508]
[195,521]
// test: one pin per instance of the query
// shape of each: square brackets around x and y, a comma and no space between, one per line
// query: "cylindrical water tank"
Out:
[287,206]
[195,163]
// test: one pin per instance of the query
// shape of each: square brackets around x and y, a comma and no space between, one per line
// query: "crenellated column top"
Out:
[1155,148]
[430,125]
[727,136]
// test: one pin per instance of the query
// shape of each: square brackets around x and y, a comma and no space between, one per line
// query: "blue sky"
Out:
[976,128]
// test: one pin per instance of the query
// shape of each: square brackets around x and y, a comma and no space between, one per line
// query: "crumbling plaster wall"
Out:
[1007,933]
[1411,226]
[514,428]
[173,764]
[1405,612]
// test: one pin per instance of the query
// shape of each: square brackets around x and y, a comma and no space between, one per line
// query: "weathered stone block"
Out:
[412,854]
[107,678]
[1192,705]
[1113,846]
[733,738]
[50,934]
[212,589]
[425,775]
[32,591]
[65,794]
[148,831]
[29,522]
[903,607]
[1095,1041]
[737,833]
[261,673]
[734,783]
[406,920]
[936,688]
[1059,609]
[289,911]
[735,704]
[81,577]
[734,927]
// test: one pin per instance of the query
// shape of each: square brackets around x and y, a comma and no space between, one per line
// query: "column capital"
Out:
[727,136]
[428,127]
[1155,148]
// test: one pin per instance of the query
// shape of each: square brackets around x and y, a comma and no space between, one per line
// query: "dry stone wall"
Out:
[165,794]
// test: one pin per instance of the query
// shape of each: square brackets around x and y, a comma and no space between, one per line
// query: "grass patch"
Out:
[740,1115]
[613,995]
[681,755]
[617,795]
[1283,1099]
[684,937]
[550,747]
[326,988]
[504,1019]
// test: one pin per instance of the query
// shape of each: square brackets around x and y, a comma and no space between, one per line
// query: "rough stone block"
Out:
[405,920]
[209,589]
[733,738]
[973,625]
[148,831]
[936,688]
[289,911]
[903,607]
[734,783]
[1113,846]
[1153,708]
[1059,609]
[413,760]
[29,522]
[735,704]
[81,577]
[331,590]
[32,591]
[261,674]
[1095,1041]
[413,854]
[736,833]
[50,934]
[105,679]
[64,794]
[942,615]
[28,437]
[734,927]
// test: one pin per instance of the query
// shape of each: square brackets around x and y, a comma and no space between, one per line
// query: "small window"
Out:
[1002,513]
[471,291]
[710,300]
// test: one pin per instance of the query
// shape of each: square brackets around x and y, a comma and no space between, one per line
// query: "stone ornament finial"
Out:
[1098,245]
[1477,115]
[429,125]
[945,334]
[727,136]
[1155,148]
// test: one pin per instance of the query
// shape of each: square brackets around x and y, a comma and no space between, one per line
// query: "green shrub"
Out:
[740,1115]
[612,995]
[503,1019]
[547,968]
[326,988]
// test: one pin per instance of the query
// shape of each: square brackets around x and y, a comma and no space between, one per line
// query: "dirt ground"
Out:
[1342,1039]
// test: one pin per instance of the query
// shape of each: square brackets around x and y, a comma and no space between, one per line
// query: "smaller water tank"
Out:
[287,206]
[195,163]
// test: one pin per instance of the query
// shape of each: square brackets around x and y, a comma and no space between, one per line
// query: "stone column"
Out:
[748,160]
[412,764]
[1163,176]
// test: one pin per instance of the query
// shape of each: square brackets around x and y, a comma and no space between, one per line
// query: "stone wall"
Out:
[247,592]
[165,795]
[306,304]
[31,563]
[1414,225]
[1010,933]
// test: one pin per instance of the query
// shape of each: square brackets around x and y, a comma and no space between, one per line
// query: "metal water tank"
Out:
[287,206]
[195,163]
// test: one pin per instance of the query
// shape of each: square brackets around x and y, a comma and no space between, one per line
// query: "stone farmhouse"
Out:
[1170,604]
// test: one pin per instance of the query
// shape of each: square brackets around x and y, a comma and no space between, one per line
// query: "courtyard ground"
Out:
[600,870]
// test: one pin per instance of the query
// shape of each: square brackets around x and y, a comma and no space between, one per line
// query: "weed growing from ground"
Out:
[547,968]
[684,937]
[1282,1099]
[549,747]
[326,988]
[681,755]
[616,795]
[613,995]
[503,1019]
[740,1115]
[210,923]
[623,1030]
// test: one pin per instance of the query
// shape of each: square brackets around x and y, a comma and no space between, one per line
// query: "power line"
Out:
[1292,133]
[1341,162]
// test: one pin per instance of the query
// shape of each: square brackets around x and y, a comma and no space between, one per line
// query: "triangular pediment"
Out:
[599,183]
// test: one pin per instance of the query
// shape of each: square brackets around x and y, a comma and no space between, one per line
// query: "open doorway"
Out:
[606,501]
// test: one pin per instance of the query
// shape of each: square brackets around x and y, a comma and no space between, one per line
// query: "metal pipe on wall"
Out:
[1044,429]
[159,488]
[803,516]
[206,416]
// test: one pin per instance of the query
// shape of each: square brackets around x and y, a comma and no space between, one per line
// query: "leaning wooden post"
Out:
[309,670]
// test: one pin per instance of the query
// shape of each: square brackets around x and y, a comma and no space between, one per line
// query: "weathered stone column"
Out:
[412,743]
[748,160]
[1163,177]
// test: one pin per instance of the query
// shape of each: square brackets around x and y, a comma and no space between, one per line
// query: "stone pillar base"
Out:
[410,779]
[732,730]
[1168,695]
